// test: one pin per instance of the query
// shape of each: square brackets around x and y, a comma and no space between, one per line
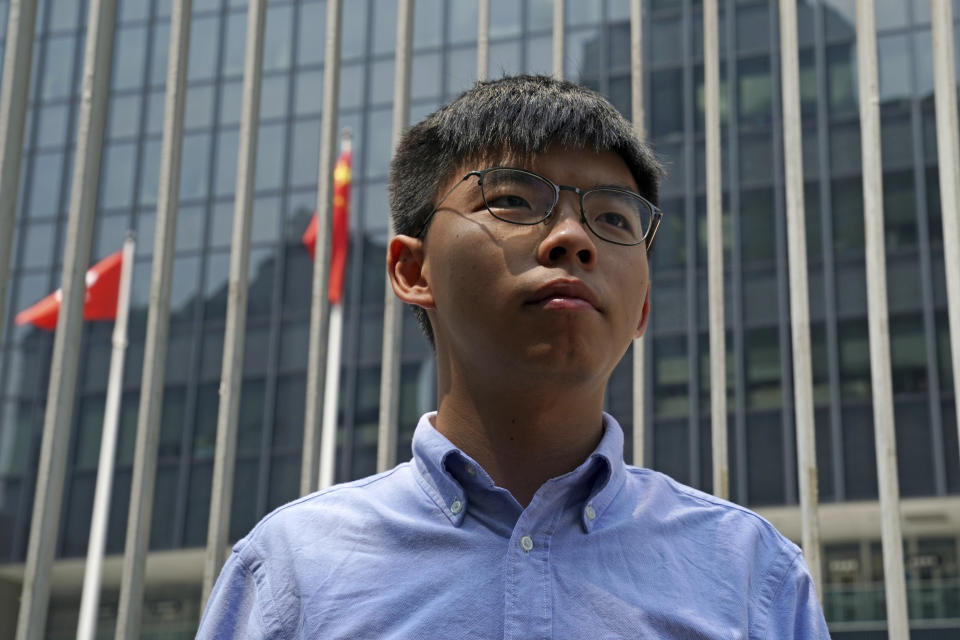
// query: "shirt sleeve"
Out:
[795,612]
[235,607]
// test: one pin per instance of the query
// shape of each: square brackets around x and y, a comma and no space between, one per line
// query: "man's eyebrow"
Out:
[615,186]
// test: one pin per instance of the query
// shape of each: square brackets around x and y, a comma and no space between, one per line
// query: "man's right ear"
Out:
[405,262]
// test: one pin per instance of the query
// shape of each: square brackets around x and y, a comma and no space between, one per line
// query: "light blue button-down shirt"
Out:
[433,549]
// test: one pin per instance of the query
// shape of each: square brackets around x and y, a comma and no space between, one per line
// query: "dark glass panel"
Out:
[757,226]
[666,102]
[289,411]
[842,79]
[854,360]
[914,450]
[205,428]
[79,507]
[250,419]
[671,377]
[89,430]
[765,462]
[243,510]
[859,453]
[198,505]
[671,448]
[755,91]
[899,211]
[284,479]
[763,368]
[848,216]
[162,534]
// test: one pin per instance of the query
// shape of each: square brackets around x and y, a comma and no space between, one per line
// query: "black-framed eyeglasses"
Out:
[523,197]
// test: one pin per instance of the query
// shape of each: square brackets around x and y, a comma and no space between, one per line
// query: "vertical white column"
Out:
[231,376]
[483,38]
[93,569]
[158,323]
[558,35]
[799,298]
[718,349]
[14,94]
[948,157]
[44,525]
[880,372]
[392,318]
[319,302]
[637,115]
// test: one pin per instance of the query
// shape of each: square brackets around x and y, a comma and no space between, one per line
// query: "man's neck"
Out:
[522,439]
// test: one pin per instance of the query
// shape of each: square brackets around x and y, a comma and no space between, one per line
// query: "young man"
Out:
[525,211]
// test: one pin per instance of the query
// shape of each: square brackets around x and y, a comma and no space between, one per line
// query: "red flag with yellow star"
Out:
[340,236]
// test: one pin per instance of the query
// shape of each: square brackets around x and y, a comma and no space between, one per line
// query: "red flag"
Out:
[340,237]
[100,299]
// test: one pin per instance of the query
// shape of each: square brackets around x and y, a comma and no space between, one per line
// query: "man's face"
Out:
[550,301]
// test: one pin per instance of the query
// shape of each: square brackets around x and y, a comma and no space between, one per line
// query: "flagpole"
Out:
[799,296]
[331,391]
[319,302]
[231,375]
[392,318]
[948,156]
[140,510]
[639,355]
[93,570]
[13,114]
[58,417]
[558,35]
[331,394]
[878,322]
[718,349]
[483,38]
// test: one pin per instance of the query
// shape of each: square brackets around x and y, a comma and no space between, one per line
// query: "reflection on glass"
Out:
[276,38]
[763,368]
[128,58]
[311,24]
[671,377]
[854,360]
[234,49]
[204,43]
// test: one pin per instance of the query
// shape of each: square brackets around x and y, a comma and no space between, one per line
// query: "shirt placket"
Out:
[528,597]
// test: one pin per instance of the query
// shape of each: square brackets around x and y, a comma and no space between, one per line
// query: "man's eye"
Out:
[509,202]
[614,220]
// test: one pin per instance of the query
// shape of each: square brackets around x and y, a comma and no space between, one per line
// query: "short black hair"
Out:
[515,115]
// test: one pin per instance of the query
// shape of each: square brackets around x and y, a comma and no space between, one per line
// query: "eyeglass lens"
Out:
[524,198]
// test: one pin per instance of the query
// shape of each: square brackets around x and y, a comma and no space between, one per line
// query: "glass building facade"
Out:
[597,54]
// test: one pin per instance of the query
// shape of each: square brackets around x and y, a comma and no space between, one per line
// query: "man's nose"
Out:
[568,238]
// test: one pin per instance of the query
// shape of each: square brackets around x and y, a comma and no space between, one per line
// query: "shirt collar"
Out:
[444,470]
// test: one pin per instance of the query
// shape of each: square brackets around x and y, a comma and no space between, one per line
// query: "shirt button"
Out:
[526,543]
[471,470]
[456,507]
[590,512]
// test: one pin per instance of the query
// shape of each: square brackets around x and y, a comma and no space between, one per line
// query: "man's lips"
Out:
[565,294]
